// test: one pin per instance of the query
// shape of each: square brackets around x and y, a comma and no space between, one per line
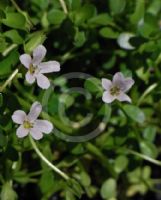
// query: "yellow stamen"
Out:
[27,124]
[115,91]
[32,69]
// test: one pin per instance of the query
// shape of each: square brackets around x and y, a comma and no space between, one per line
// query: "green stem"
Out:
[37,173]
[9,80]
[53,167]
[63,5]
[10,48]
[23,92]
[15,5]
[97,153]
[147,91]
[22,12]
[145,157]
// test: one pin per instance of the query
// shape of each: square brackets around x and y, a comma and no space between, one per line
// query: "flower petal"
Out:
[38,54]
[122,82]
[25,59]
[19,116]
[35,111]
[106,84]
[44,126]
[22,132]
[42,81]
[48,67]
[30,78]
[129,83]
[118,77]
[123,97]
[36,133]
[107,97]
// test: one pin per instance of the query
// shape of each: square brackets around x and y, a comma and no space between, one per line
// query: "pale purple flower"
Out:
[29,124]
[116,88]
[37,68]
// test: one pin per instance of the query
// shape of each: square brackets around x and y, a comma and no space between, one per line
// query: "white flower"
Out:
[116,88]
[29,124]
[37,68]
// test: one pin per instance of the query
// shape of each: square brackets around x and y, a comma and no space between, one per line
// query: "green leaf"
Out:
[107,32]
[53,104]
[93,85]
[105,110]
[76,4]
[78,149]
[84,13]
[69,195]
[134,113]
[108,189]
[47,181]
[43,4]
[3,44]
[149,26]
[75,187]
[85,179]
[146,173]
[79,38]
[117,6]
[154,7]
[21,177]
[150,133]
[7,63]
[7,192]
[149,46]
[67,99]
[134,176]
[121,163]
[14,36]
[139,11]
[15,20]
[56,16]
[149,149]
[36,39]
[101,19]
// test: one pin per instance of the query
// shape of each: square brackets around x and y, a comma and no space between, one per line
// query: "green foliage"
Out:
[134,113]
[15,20]
[7,193]
[117,6]
[108,189]
[7,63]
[94,143]
[56,16]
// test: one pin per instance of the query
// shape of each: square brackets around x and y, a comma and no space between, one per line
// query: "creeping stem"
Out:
[154,161]
[8,81]
[53,167]
[147,91]
[63,5]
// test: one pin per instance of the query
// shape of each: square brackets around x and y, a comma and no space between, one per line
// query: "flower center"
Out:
[27,124]
[115,91]
[32,69]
